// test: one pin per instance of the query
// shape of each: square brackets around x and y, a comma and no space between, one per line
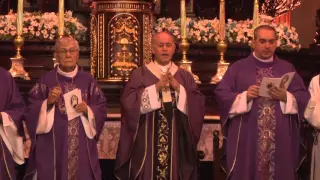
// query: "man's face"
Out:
[67,54]
[163,48]
[265,44]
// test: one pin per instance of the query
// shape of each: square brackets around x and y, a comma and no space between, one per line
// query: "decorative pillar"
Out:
[121,33]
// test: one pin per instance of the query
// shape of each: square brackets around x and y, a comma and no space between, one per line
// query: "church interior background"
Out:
[115,38]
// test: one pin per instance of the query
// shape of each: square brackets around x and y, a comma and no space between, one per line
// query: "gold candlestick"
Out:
[61,18]
[183,20]
[222,22]
[255,17]
[17,69]
[184,45]
[222,65]
[19,17]
[60,25]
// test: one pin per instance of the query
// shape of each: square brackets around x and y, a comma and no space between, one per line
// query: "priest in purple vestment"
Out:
[262,140]
[11,114]
[162,117]
[64,138]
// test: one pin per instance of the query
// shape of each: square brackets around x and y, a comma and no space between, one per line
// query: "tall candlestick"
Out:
[183,20]
[61,18]
[222,65]
[222,23]
[255,14]
[184,45]
[19,17]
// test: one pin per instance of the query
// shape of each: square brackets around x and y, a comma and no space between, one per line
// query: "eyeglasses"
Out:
[65,51]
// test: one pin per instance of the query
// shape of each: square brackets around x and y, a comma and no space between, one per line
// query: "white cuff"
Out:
[240,105]
[182,100]
[11,138]
[312,112]
[46,119]
[290,107]
[89,124]
[154,97]
[150,100]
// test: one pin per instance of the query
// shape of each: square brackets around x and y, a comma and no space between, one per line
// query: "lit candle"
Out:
[183,20]
[61,18]
[222,17]
[20,17]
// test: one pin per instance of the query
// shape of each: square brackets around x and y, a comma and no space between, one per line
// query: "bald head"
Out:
[163,47]
[160,35]
[64,41]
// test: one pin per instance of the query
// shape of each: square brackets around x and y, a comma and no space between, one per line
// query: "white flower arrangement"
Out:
[207,31]
[198,31]
[41,26]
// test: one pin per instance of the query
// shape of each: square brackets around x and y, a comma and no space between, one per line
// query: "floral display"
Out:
[41,26]
[241,32]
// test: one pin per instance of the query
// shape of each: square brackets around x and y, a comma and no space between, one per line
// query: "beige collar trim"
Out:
[155,69]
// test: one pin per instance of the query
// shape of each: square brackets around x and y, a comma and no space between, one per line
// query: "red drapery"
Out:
[283,18]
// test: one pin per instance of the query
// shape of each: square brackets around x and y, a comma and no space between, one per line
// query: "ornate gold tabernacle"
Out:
[120,38]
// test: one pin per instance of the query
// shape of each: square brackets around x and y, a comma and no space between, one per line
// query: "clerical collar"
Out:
[68,74]
[263,60]
[165,68]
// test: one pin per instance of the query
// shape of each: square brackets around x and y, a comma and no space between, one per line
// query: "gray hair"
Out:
[65,40]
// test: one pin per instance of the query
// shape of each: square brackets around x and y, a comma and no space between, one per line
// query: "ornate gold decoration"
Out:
[222,65]
[124,49]
[266,130]
[120,38]
[147,35]
[127,6]
[101,46]
[93,42]
[73,148]
[185,63]
[184,45]
[17,69]
[163,143]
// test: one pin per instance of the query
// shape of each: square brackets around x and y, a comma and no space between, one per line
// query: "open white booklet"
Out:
[282,82]
[71,100]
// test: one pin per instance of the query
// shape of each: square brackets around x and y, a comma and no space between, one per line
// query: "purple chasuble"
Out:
[264,143]
[11,103]
[65,152]
[137,153]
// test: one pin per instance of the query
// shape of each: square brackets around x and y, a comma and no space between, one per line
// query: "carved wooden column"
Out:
[120,38]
